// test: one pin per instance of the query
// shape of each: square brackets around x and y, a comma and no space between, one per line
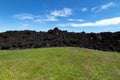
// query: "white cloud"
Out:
[47,19]
[23,26]
[70,19]
[24,16]
[94,9]
[84,9]
[52,16]
[58,13]
[104,7]
[111,4]
[103,22]
[79,20]
[62,13]
[35,18]
[38,20]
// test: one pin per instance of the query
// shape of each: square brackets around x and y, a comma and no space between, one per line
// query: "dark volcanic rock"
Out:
[106,41]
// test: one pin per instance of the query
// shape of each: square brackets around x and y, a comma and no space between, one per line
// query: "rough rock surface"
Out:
[56,38]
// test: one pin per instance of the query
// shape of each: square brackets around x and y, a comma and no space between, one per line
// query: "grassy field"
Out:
[63,63]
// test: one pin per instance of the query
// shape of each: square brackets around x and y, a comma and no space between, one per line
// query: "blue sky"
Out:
[71,15]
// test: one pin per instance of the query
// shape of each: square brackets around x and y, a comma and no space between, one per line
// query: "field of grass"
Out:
[65,63]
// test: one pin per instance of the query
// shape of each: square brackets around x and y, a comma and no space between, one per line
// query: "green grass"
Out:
[65,63]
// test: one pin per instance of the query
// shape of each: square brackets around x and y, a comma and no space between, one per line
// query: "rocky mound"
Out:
[56,38]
